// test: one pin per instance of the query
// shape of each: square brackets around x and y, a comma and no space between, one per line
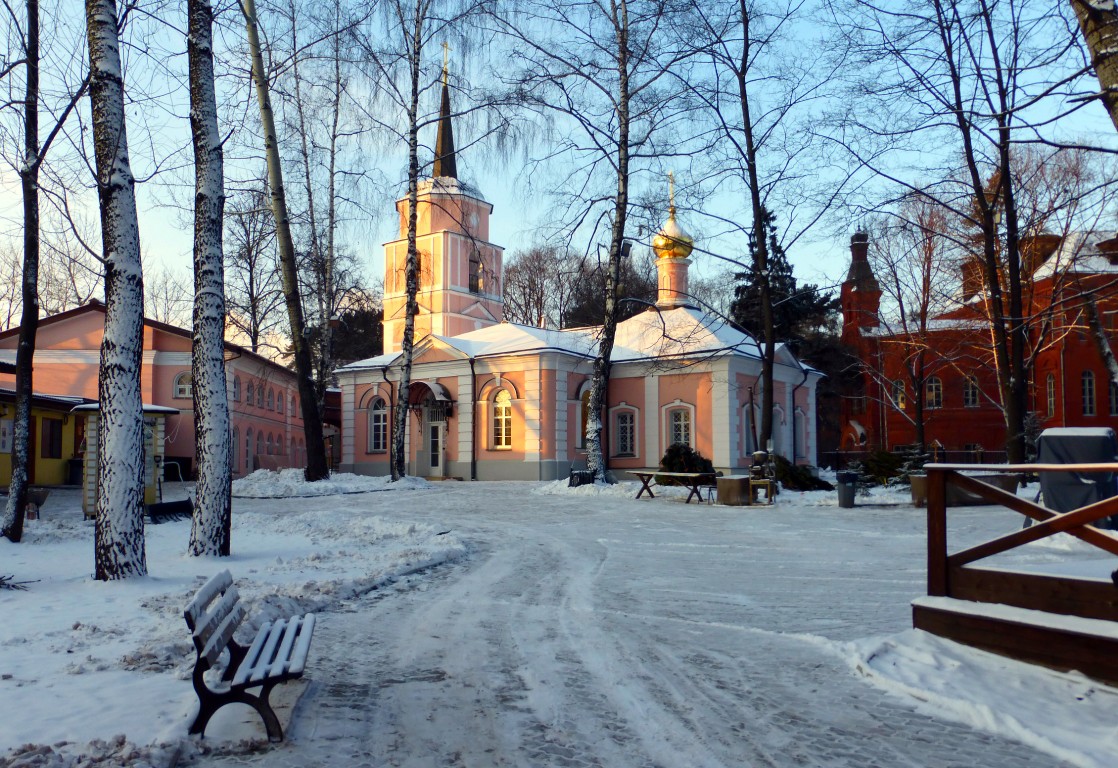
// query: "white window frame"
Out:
[898,394]
[972,395]
[1087,388]
[184,386]
[377,422]
[1051,382]
[933,393]
[668,423]
[501,416]
[616,412]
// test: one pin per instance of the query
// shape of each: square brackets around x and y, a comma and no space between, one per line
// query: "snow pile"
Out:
[994,693]
[289,483]
[626,490]
[85,659]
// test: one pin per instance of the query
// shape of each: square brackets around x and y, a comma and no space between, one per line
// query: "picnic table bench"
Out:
[277,654]
[693,480]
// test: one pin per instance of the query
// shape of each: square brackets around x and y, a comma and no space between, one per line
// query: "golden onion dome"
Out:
[671,242]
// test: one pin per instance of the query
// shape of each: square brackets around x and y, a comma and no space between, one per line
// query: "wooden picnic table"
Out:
[693,480]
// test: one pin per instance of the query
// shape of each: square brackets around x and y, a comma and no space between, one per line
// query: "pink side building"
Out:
[263,396]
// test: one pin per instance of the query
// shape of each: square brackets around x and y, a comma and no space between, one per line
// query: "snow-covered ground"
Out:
[531,624]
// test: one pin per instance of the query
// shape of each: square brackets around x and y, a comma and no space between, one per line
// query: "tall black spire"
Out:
[444,139]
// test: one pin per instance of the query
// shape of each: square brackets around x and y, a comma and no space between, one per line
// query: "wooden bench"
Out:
[277,654]
[695,481]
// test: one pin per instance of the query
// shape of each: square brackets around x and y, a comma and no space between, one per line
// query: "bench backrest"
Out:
[214,615]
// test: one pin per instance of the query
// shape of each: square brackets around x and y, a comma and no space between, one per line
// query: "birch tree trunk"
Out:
[12,524]
[317,466]
[761,224]
[211,521]
[599,388]
[119,538]
[411,269]
[1098,20]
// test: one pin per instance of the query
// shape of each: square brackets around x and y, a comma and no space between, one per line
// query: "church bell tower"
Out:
[459,269]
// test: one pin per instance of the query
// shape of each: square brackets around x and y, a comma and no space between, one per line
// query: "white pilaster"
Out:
[349,423]
[532,401]
[722,415]
[652,452]
[561,408]
[466,407]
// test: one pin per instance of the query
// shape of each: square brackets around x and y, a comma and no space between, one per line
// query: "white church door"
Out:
[435,439]
[436,449]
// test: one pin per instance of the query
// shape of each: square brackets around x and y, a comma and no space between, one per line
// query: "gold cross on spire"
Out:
[446,59]
[671,193]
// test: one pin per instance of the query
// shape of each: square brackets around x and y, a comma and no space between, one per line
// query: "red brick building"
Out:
[1069,385]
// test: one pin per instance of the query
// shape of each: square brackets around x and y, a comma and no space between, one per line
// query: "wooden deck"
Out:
[1063,621]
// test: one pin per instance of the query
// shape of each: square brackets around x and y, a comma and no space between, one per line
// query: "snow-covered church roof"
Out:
[677,333]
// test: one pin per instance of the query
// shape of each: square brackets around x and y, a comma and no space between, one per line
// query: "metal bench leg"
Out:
[209,702]
[267,714]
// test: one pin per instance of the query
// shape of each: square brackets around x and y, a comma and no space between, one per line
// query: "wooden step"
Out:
[1057,641]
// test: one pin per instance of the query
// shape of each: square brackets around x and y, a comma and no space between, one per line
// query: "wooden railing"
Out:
[1076,523]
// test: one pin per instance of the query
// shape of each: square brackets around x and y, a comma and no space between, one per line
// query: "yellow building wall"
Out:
[46,471]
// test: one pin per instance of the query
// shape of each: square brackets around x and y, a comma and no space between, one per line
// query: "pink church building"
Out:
[263,396]
[492,400]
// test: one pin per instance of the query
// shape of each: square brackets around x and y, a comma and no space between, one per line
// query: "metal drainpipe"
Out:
[473,419]
[391,413]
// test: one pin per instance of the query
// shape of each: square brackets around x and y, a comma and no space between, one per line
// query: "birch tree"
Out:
[119,536]
[599,71]
[1098,20]
[212,517]
[961,85]
[253,289]
[29,167]
[317,465]
[399,68]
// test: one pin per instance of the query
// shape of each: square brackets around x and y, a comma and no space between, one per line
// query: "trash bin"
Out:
[580,477]
[847,483]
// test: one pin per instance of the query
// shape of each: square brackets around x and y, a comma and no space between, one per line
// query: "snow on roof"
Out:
[66,401]
[655,333]
[512,339]
[380,361]
[679,332]
[148,408]
[1078,252]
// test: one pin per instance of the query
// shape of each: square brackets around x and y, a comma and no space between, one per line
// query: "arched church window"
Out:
[898,394]
[970,392]
[378,426]
[502,421]
[933,393]
[679,426]
[475,272]
[184,386]
[1088,382]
